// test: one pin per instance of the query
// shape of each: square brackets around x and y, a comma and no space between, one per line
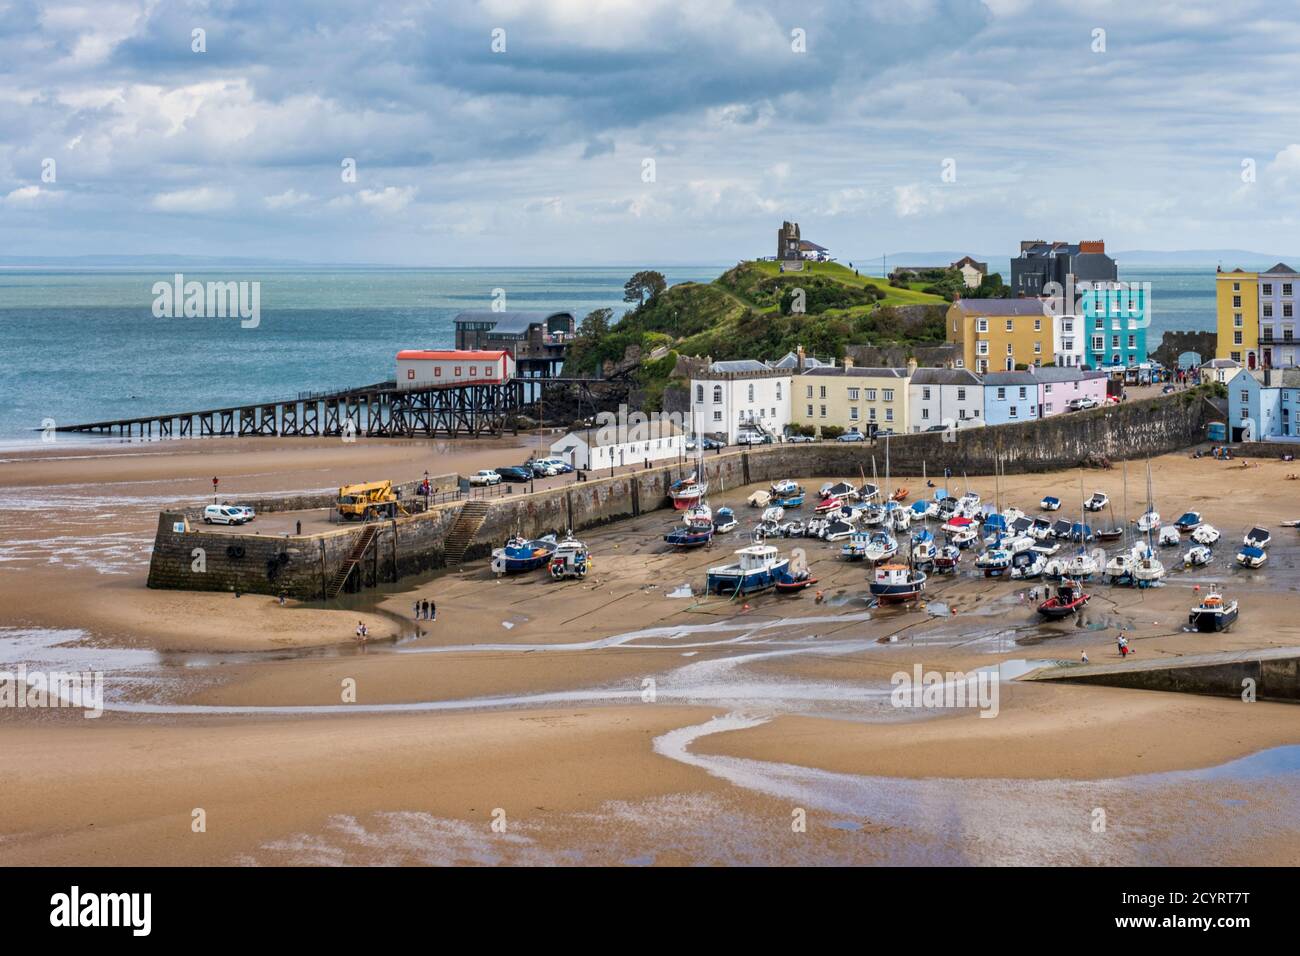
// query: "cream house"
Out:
[855,398]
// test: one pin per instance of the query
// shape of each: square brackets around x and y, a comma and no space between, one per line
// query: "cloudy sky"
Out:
[510,132]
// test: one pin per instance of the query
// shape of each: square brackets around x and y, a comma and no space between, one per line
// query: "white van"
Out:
[223,514]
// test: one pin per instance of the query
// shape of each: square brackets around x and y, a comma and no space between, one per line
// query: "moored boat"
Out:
[1097,502]
[896,582]
[1069,599]
[1251,557]
[1027,565]
[1258,538]
[687,492]
[881,546]
[1206,534]
[1169,537]
[724,519]
[994,562]
[520,555]
[855,549]
[1213,614]
[571,559]
[1197,556]
[756,568]
[1188,521]
[947,559]
[1050,503]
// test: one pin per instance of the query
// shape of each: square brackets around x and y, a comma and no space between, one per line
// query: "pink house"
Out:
[1057,387]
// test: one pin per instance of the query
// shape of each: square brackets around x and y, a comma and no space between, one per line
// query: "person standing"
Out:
[415,609]
[433,611]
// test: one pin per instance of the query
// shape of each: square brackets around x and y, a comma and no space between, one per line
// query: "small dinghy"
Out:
[1069,599]
[947,560]
[570,560]
[920,509]
[724,519]
[1050,503]
[520,555]
[1206,534]
[1197,556]
[1027,565]
[796,577]
[1188,521]
[1149,521]
[1213,614]
[1258,538]
[1097,502]
[897,582]
[1251,557]
[1169,537]
[900,494]
[881,546]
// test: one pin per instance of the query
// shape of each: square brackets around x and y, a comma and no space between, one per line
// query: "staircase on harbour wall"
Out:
[359,550]
[461,536]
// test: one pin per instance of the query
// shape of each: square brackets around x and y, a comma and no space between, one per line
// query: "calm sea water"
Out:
[84,345]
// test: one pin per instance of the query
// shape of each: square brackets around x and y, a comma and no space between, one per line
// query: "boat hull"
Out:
[686,538]
[1211,622]
[730,583]
[885,593]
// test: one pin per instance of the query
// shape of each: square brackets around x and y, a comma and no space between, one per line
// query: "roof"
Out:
[1060,374]
[466,356]
[740,365]
[806,246]
[509,323]
[616,435]
[1002,306]
[945,376]
[1221,363]
[861,371]
[791,360]
[970,261]
[1010,378]
[1281,267]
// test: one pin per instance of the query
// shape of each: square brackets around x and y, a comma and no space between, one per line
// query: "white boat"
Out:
[785,489]
[1027,565]
[1148,569]
[837,529]
[881,547]
[774,514]
[1012,515]
[759,499]
[571,559]
[1206,534]
[1080,566]
[1258,538]
[1188,521]
[969,505]
[1251,557]
[1119,569]
[1041,529]
[757,568]
[1020,542]
[1169,537]
[698,515]
[871,515]
[1050,503]
[1097,502]
[994,562]
[899,519]
[896,582]
[964,537]
[1149,521]
[923,551]
[1198,556]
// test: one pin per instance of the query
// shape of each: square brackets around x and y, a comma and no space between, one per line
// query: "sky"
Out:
[560,132]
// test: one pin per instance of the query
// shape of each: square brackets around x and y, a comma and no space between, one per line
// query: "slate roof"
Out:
[945,376]
[509,323]
[1002,306]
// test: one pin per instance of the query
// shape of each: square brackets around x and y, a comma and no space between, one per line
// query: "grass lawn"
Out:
[843,274]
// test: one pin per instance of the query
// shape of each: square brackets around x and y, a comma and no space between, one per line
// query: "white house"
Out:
[613,445]
[1220,370]
[945,396]
[1069,340]
[738,397]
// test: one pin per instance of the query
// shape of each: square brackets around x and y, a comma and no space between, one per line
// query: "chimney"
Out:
[848,361]
[802,358]
[1092,247]
[911,366]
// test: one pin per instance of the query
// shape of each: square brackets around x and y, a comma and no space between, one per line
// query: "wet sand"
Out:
[587,709]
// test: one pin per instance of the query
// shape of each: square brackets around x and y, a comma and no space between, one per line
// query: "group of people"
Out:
[425,611]
[1122,643]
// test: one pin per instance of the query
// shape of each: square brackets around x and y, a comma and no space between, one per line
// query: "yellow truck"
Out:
[366,502]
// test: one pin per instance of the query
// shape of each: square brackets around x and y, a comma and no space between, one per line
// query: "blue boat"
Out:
[897,582]
[724,519]
[790,501]
[855,549]
[689,537]
[520,555]
[757,568]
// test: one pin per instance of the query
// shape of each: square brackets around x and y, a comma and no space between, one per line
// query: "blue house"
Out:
[1116,317]
[1265,408]
[1010,397]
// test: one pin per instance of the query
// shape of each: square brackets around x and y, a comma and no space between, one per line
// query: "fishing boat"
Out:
[1050,503]
[1251,557]
[1080,532]
[1213,614]
[571,559]
[1097,502]
[947,560]
[698,515]
[520,555]
[968,504]
[1197,556]
[897,582]
[1258,538]
[1188,521]
[994,562]
[855,549]
[1206,534]
[1069,599]
[881,546]
[724,519]
[756,568]
[687,492]
[1169,537]
[1027,565]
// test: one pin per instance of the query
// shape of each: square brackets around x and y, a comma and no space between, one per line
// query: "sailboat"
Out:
[1149,568]
[1114,531]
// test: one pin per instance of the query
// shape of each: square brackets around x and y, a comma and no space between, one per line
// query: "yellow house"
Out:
[852,397]
[1236,296]
[996,335]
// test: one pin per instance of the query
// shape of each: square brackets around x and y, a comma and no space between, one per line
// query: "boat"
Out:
[855,549]
[1213,614]
[1080,566]
[1206,534]
[828,504]
[724,519]
[1258,538]
[698,515]
[871,515]
[947,560]
[792,582]
[1169,537]
[1149,521]
[947,508]
[520,555]
[1097,502]
[1069,599]
[687,492]
[1119,569]
[920,509]
[900,494]
[881,546]
[571,559]
[794,529]
[1061,529]
[839,489]
[756,568]
[773,514]
[868,492]
[685,537]
[1080,532]
[786,494]
[1013,515]
[1050,503]
[1040,529]
[790,501]
[836,529]
[923,551]
[1188,521]
[1251,557]
[1148,569]
[1108,534]
[964,537]
[897,582]
[759,499]
[994,561]
[1027,565]
[1198,556]
[968,504]
[900,519]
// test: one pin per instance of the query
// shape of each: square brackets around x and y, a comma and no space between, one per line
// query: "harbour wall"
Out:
[303,565]
[1268,674]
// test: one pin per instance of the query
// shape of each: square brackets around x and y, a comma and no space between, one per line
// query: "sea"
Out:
[84,344]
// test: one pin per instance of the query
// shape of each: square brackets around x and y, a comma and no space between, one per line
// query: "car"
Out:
[559,464]
[712,444]
[885,432]
[753,438]
[542,469]
[800,439]
[485,476]
[1081,404]
[248,513]
[223,514]
[937,428]
[852,436]
[514,473]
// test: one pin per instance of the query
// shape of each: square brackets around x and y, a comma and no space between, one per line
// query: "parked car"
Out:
[881,433]
[559,464]
[1081,404]
[753,438]
[543,470]
[514,473]
[248,513]
[937,428]
[712,444]
[223,514]
[485,476]
[800,439]
[852,436]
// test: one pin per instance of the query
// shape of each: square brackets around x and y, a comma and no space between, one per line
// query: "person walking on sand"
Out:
[415,609]
[362,631]
[432,613]
[424,610]
[1083,658]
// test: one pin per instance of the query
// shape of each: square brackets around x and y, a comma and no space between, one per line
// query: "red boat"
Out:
[795,584]
[1068,599]
[829,504]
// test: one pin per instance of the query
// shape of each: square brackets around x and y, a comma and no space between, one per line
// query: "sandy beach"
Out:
[609,720]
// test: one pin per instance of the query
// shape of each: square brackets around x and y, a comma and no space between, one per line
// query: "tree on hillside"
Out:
[596,325]
[991,287]
[644,286]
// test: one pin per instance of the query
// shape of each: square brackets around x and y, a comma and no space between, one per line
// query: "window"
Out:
[1236,287]
[823,392]
[981,325]
[1245,395]
[1236,338]
[1236,302]
[751,393]
[853,395]
[1038,325]
[1268,288]
[1038,348]
[1114,341]
[1286,288]
[1022,393]
[810,391]
[1268,310]
[778,394]
[1067,345]
[889,414]
[717,416]
[473,371]
[1236,320]
[458,371]
[1098,323]
[1235,356]
[699,393]
[717,394]
[925,413]
[871,394]
[823,411]
[1286,310]
[981,348]
[889,394]
[871,413]
[1067,325]
[925,394]
[810,411]
[1014,412]
[1002,394]
[1009,350]
[1098,343]
[961,394]
[853,412]
[1047,390]
[1132,341]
